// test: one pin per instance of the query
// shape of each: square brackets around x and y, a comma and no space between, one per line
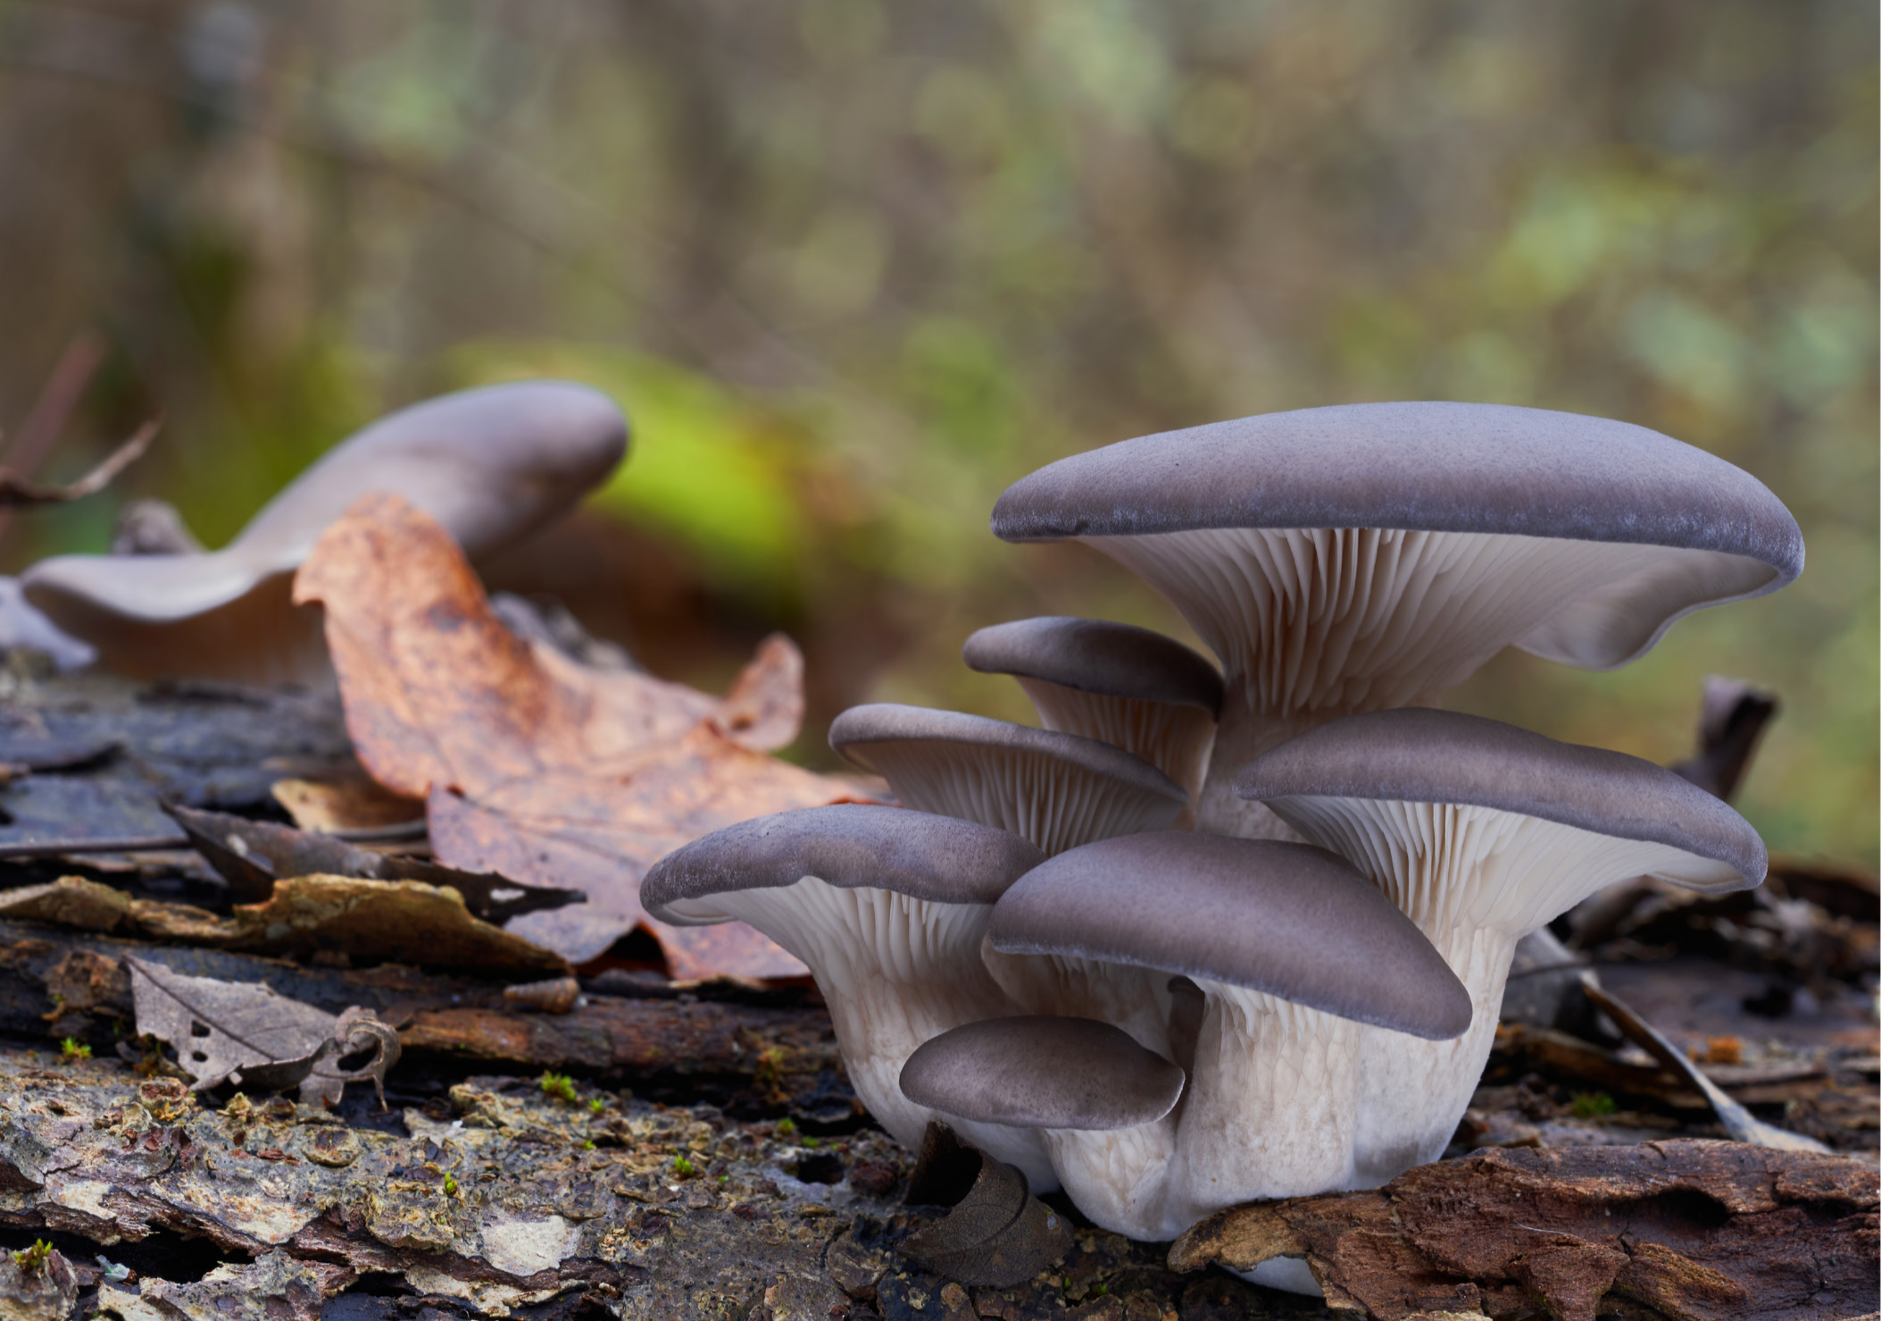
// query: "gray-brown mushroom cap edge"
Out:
[853,731]
[1097,656]
[1042,1072]
[852,846]
[1288,919]
[1424,756]
[1444,467]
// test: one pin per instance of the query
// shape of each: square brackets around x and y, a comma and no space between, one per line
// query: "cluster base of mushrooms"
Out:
[1248,935]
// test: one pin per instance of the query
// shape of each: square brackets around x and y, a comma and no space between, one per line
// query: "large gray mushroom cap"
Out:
[1424,756]
[1287,919]
[1097,656]
[852,846]
[1444,467]
[1038,1071]
[1052,788]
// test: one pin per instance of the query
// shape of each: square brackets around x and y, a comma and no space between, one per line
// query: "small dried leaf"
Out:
[384,922]
[352,802]
[997,1235]
[250,855]
[764,708]
[220,1030]
[355,1030]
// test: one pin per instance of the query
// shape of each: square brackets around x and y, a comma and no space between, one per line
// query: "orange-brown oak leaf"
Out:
[539,768]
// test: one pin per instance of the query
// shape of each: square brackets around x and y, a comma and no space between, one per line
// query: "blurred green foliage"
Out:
[854,267]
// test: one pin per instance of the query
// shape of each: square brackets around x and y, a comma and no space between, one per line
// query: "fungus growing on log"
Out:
[1130,687]
[1480,832]
[1369,556]
[1294,953]
[887,907]
[1057,790]
[493,465]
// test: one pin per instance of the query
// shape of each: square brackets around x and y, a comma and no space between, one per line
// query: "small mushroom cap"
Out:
[853,846]
[1042,1072]
[1443,467]
[1096,656]
[1418,755]
[855,732]
[1287,919]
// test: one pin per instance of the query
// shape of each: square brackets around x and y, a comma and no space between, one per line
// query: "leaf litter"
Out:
[536,767]
[247,1035]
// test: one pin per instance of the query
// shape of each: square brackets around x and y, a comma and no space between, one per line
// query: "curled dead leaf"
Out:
[996,1234]
[250,855]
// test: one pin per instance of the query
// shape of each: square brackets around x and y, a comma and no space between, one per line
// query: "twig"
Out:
[16,491]
[48,848]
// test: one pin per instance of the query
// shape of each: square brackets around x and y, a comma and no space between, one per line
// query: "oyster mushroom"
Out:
[493,465]
[1130,687]
[1480,832]
[887,907]
[1295,955]
[1092,1095]
[1057,790]
[1368,556]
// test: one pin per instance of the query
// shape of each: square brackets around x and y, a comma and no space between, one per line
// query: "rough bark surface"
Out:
[1689,1230]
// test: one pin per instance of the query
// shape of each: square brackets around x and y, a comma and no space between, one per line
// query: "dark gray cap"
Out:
[1096,656]
[1416,755]
[860,733]
[1442,467]
[852,846]
[1288,919]
[1042,1072]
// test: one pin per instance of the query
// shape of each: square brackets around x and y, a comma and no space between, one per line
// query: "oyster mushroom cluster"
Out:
[1216,933]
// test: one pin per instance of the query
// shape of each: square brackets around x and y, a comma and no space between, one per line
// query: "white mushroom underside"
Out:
[1177,739]
[1312,624]
[1134,999]
[1051,803]
[895,972]
[1475,880]
[1269,1110]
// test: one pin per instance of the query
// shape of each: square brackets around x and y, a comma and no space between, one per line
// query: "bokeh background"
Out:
[853,267]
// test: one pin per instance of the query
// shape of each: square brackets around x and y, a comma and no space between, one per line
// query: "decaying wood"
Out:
[505,1197]
[747,1057]
[1684,1229]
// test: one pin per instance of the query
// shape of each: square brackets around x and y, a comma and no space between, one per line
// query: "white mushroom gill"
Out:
[1312,624]
[1134,999]
[1054,805]
[1178,739]
[1475,880]
[895,972]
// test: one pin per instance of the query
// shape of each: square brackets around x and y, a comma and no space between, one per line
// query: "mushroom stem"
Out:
[895,972]
[1474,880]
[1270,1109]
[1118,1177]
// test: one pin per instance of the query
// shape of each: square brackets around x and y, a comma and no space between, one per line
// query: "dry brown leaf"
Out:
[764,708]
[354,803]
[384,922]
[368,921]
[534,766]
[247,1034]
